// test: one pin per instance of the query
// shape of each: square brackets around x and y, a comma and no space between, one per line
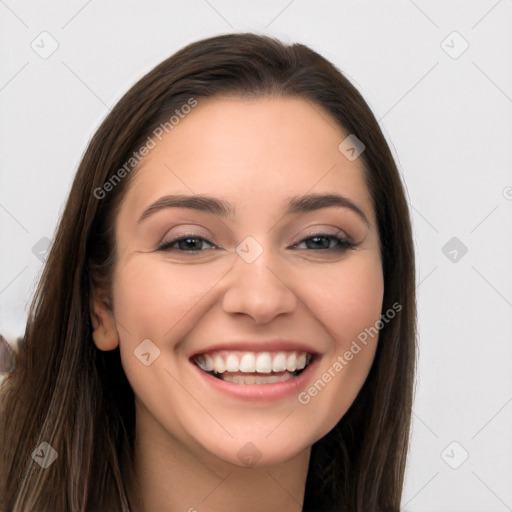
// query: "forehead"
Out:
[250,152]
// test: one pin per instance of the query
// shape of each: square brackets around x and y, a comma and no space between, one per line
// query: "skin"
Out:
[254,154]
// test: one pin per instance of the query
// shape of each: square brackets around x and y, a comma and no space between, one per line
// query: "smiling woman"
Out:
[231,325]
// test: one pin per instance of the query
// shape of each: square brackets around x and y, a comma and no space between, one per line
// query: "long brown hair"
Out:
[76,398]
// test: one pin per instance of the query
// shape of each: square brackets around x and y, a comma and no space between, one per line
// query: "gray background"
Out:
[444,108]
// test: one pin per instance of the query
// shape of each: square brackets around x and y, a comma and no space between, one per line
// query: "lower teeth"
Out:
[256,379]
[241,378]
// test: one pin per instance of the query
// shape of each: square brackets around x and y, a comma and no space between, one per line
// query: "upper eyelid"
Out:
[311,231]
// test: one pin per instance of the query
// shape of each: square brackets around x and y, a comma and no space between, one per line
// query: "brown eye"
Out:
[326,242]
[189,243]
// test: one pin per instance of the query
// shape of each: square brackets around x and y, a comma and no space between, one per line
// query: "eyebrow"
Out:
[222,208]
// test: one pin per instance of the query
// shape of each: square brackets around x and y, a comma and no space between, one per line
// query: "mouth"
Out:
[253,368]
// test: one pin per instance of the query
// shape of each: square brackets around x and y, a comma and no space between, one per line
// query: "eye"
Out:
[325,242]
[187,243]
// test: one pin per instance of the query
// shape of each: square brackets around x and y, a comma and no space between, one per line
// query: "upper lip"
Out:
[271,345]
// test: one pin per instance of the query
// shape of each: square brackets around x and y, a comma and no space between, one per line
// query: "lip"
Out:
[260,392]
[273,345]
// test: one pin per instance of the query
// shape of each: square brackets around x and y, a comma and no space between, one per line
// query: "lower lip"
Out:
[274,391]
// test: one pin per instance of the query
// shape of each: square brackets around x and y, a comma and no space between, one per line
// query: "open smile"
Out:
[256,375]
[249,368]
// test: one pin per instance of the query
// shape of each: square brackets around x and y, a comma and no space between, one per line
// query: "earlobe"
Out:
[104,329]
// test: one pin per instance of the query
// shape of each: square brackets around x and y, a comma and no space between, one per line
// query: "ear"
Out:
[104,330]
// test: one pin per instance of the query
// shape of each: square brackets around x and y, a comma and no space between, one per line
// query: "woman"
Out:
[226,319]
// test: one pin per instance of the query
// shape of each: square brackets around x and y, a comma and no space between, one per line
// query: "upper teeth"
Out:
[250,362]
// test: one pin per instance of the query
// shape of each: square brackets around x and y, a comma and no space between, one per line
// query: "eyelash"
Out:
[342,244]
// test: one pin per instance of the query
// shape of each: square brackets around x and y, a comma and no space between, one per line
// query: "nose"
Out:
[259,289]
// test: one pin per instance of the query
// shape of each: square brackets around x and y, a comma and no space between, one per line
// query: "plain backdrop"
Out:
[438,77]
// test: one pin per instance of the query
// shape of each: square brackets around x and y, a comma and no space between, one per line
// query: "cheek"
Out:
[153,297]
[346,297]
[158,301]
[347,301]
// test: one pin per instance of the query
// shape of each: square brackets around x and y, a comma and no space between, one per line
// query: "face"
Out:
[238,313]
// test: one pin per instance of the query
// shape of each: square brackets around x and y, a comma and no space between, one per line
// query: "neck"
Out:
[178,478]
